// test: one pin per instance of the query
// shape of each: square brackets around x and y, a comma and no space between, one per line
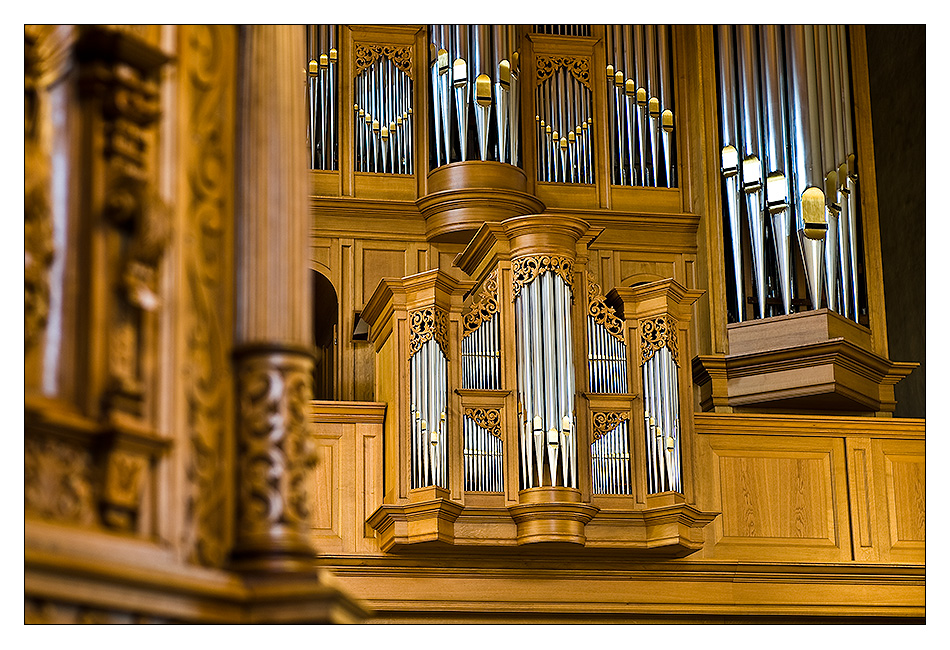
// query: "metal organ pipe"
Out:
[322,96]
[802,74]
[546,390]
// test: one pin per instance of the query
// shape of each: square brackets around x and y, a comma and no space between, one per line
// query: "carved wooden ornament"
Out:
[488,419]
[578,66]
[525,269]
[602,314]
[485,308]
[367,54]
[656,333]
[607,421]
[428,323]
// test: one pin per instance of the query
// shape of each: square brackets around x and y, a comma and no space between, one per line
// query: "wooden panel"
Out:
[328,535]
[377,262]
[642,270]
[776,496]
[371,443]
[899,475]
[781,498]
[861,500]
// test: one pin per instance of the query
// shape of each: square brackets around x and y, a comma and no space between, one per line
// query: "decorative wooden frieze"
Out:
[487,418]
[525,269]
[485,308]
[119,87]
[428,323]
[602,314]
[207,66]
[656,333]
[365,54]
[58,482]
[276,454]
[578,66]
[606,421]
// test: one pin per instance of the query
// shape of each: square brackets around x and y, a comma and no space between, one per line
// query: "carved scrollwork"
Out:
[206,66]
[485,308]
[656,333]
[488,419]
[276,451]
[428,323]
[525,269]
[58,481]
[366,54]
[602,314]
[606,421]
[578,66]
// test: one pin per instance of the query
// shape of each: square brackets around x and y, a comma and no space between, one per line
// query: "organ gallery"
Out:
[461,324]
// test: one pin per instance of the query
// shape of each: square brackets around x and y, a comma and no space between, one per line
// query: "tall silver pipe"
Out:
[805,145]
[729,130]
[776,159]
[752,154]
[569,351]
[653,104]
[460,83]
[852,176]
[828,166]
[481,59]
[666,104]
[840,157]
[521,367]
[537,375]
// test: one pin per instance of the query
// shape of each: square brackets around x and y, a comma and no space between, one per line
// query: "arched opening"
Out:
[325,310]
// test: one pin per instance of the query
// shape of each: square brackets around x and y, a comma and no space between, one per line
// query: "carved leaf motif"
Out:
[525,269]
[607,421]
[367,54]
[428,323]
[602,314]
[208,375]
[578,66]
[489,419]
[277,454]
[485,308]
[656,333]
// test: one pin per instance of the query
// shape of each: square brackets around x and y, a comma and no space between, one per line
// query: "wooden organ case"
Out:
[558,364]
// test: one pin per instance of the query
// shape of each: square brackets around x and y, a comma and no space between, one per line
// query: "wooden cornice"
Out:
[115,573]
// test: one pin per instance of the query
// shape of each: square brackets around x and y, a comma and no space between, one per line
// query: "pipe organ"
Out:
[542,314]
[322,95]
[640,105]
[428,399]
[564,120]
[788,165]
[383,121]
[474,71]
[601,297]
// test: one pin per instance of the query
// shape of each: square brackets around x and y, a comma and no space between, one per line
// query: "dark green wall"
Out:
[897,72]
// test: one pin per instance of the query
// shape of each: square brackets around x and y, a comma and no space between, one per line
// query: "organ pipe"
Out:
[797,146]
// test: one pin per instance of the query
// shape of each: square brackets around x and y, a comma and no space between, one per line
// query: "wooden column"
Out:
[273,352]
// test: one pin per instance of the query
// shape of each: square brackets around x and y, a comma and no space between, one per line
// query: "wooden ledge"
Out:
[833,376]
[114,575]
